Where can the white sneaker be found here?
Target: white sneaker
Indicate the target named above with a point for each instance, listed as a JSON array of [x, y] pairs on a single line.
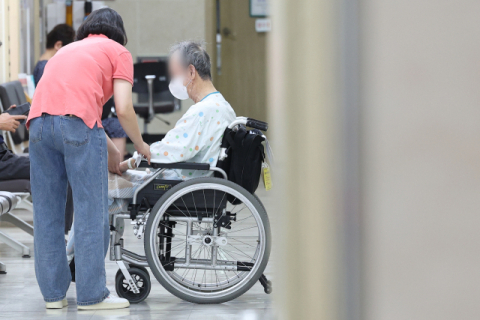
[[110, 302], [57, 304]]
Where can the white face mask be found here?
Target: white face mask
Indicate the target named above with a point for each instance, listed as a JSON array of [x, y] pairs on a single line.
[[177, 88]]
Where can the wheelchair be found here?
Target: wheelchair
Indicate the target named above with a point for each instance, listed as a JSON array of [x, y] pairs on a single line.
[[207, 240]]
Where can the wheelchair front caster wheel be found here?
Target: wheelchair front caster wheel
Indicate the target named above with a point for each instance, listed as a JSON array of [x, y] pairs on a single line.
[[142, 280], [268, 288]]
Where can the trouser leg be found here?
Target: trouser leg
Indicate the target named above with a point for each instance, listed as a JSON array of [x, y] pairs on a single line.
[[86, 163], [49, 185]]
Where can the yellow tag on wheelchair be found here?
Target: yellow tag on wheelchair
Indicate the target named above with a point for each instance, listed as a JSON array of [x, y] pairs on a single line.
[[267, 179]]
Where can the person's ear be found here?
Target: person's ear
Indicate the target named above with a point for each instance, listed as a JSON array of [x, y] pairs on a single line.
[[58, 45], [192, 71]]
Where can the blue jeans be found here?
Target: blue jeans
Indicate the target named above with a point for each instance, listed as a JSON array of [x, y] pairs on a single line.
[[63, 149]]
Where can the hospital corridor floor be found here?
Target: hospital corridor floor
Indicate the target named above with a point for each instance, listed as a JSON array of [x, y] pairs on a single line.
[[20, 296]]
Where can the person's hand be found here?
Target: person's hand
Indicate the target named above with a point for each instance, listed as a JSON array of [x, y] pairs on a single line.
[[114, 159], [144, 150], [9, 122]]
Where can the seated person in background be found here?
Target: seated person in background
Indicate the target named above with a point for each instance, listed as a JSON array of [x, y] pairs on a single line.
[[196, 137], [61, 35], [12, 166]]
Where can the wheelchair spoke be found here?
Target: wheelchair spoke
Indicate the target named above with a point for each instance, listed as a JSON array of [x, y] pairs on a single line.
[[220, 202], [245, 255], [206, 210], [181, 211], [181, 243], [193, 198], [239, 210], [189, 214], [242, 229], [243, 219], [230, 238], [241, 251]]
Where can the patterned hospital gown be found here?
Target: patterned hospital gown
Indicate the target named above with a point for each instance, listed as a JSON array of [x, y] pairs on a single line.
[[196, 137]]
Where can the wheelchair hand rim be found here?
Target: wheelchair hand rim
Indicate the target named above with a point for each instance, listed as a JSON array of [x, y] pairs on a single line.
[[259, 254]]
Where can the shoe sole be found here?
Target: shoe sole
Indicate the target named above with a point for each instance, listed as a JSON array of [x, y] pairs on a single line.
[[105, 306], [57, 304]]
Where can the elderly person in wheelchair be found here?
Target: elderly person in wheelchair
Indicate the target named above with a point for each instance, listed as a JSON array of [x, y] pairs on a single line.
[[186, 228], [196, 137]]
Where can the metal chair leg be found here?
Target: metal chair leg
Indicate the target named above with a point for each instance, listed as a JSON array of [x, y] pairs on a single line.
[[15, 245], [16, 221]]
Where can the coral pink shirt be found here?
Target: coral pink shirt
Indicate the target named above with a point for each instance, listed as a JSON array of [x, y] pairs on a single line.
[[78, 80]]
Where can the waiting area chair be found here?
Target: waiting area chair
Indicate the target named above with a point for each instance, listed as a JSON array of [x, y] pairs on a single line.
[[151, 84], [12, 93], [8, 202]]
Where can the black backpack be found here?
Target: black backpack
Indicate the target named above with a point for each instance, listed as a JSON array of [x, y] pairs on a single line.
[[245, 155]]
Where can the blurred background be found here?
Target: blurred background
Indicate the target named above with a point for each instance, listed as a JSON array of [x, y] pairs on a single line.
[[373, 108]]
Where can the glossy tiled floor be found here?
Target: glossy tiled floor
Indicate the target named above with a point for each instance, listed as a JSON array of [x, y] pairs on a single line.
[[20, 296]]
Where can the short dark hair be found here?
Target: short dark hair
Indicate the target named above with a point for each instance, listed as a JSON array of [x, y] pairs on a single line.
[[193, 53], [104, 21], [61, 32]]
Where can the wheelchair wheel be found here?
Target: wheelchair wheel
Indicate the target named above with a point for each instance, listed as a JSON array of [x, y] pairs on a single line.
[[203, 248], [142, 279]]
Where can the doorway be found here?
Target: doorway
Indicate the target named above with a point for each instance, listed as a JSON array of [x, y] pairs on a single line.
[[243, 54]]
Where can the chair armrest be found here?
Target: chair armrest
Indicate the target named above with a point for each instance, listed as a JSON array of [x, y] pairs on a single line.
[[176, 165]]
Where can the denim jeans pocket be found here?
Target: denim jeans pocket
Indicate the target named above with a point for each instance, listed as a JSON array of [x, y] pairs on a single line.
[[35, 130], [74, 131]]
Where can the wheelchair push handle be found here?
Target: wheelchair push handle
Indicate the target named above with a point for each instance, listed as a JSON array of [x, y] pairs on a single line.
[[249, 122], [257, 124]]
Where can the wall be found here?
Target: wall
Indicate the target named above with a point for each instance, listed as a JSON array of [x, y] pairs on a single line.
[[421, 152], [304, 110], [10, 37], [243, 73], [152, 26], [3, 39]]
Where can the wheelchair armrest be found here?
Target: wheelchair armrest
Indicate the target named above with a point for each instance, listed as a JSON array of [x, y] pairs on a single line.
[[176, 165]]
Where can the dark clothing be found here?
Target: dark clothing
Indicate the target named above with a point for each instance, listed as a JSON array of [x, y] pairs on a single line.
[[113, 128], [13, 166], [38, 71], [1, 139], [110, 122]]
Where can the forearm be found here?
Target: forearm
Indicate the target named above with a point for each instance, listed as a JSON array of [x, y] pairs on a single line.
[[128, 120], [111, 148]]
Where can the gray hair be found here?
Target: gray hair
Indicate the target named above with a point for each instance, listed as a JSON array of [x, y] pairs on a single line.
[[194, 53]]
